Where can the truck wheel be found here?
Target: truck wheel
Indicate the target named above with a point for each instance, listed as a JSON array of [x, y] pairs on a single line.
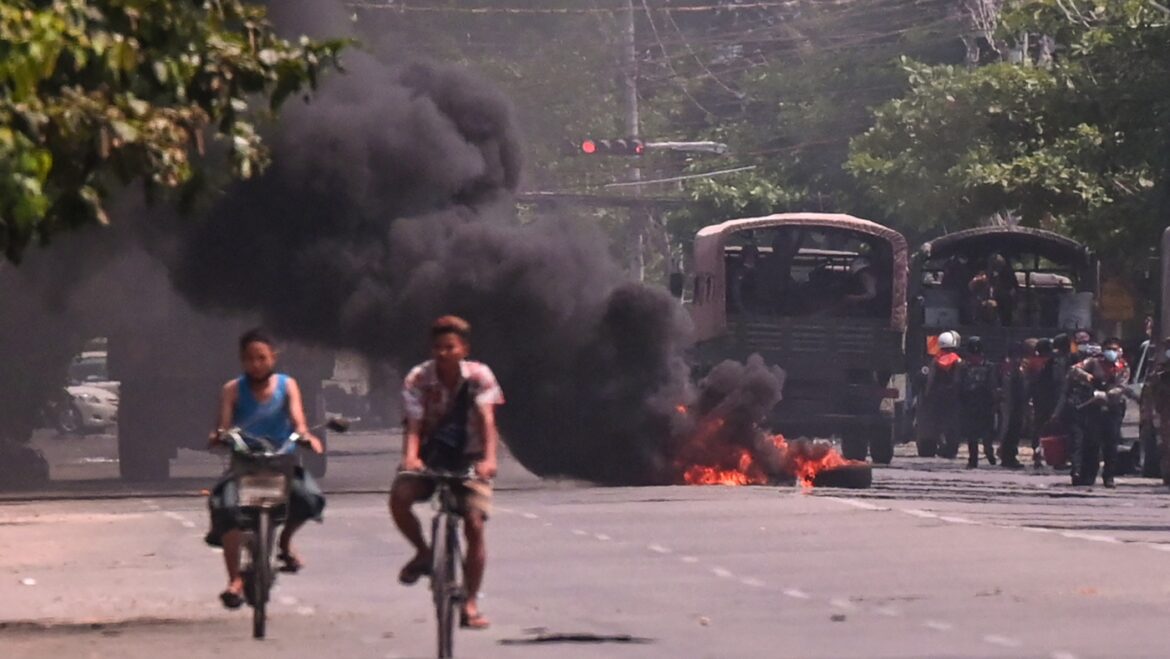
[[927, 448], [854, 445], [881, 445]]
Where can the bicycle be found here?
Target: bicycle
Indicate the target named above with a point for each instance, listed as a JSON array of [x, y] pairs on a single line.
[[263, 475], [447, 588]]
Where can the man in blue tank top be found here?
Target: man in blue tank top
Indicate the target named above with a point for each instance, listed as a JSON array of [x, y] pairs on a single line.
[[262, 403]]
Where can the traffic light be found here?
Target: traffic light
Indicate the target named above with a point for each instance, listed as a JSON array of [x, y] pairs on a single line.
[[627, 147]]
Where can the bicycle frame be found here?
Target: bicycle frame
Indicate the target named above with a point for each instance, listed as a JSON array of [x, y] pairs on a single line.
[[447, 558]]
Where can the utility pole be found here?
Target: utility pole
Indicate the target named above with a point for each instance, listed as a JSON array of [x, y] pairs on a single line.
[[629, 61]]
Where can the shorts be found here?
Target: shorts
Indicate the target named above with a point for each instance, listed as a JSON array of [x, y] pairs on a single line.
[[474, 495], [305, 502]]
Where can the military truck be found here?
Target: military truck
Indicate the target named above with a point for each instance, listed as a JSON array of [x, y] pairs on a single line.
[[824, 297], [1044, 284]]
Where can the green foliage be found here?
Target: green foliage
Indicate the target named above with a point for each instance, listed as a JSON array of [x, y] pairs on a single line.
[[1077, 143], [96, 94]]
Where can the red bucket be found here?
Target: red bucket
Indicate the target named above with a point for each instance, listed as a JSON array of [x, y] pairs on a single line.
[[1055, 449]]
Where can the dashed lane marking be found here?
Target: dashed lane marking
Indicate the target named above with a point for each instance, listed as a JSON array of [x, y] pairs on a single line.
[[857, 503], [1092, 537], [1002, 641], [1061, 654], [722, 572], [753, 582], [1158, 546], [938, 625], [839, 603], [954, 519], [602, 537], [659, 549], [580, 532], [796, 593], [887, 611], [924, 514], [688, 559], [530, 516]]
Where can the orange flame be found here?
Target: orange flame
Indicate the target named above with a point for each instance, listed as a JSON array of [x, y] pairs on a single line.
[[710, 460]]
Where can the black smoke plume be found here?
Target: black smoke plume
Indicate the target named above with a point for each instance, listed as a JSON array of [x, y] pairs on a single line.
[[390, 203]]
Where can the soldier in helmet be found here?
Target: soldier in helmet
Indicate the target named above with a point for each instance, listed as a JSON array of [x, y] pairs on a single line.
[[938, 419]]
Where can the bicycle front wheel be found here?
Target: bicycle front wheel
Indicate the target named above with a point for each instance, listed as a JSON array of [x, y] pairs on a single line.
[[442, 585], [261, 574]]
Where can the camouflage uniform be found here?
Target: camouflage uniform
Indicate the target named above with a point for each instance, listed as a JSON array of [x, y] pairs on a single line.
[[1155, 407]]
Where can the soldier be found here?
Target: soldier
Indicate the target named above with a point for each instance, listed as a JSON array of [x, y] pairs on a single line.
[[1155, 406], [937, 422], [978, 390], [1013, 404], [1096, 397]]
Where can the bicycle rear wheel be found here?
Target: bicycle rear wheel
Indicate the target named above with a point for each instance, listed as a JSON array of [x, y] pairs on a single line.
[[442, 585], [261, 574]]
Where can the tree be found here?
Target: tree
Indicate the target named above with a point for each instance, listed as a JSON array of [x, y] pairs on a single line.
[[1072, 140], [98, 94]]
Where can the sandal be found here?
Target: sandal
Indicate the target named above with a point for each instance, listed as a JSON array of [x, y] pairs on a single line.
[[414, 570], [231, 599], [477, 621], [291, 562]]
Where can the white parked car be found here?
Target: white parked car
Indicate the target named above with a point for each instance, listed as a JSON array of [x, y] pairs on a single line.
[[89, 403]]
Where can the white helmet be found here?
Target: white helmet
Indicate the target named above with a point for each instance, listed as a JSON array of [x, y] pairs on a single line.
[[948, 340]]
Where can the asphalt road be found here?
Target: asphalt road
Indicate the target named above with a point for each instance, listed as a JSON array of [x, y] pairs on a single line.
[[933, 561]]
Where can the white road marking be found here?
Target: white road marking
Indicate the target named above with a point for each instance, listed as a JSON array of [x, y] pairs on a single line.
[[841, 604], [173, 515], [306, 611], [1002, 641], [1090, 536], [288, 600], [953, 519], [659, 549], [753, 582], [1034, 529], [602, 537], [1061, 654], [688, 559], [888, 611], [938, 625], [722, 572], [188, 524], [1159, 546], [796, 593], [548, 523], [580, 532], [502, 509], [28, 581], [924, 514], [531, 516], [857, 503]]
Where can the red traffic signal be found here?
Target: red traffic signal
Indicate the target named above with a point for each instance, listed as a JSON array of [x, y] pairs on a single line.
[[626, 147]]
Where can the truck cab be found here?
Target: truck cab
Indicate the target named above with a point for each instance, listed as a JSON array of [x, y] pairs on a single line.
[[821, 295]]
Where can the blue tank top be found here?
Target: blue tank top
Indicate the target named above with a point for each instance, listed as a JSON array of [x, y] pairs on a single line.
[[270, 419]]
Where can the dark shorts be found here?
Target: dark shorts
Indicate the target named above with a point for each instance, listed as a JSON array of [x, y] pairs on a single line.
[[306, 501], [474, 495]]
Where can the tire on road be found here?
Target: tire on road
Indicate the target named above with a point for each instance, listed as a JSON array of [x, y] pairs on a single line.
[[881, 443], [852, 476], [854, 445]]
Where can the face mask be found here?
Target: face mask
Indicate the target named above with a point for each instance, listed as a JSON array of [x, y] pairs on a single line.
[[1110, 356]]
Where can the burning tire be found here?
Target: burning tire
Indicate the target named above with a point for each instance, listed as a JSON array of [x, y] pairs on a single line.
[[855, 476]]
